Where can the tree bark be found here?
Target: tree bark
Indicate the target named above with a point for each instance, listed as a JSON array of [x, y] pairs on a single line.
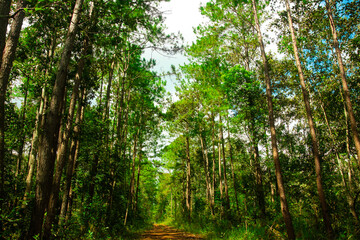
[[8, 55], [283, 202], [316, 152], [4, 13], [44, 176], [73, 153]]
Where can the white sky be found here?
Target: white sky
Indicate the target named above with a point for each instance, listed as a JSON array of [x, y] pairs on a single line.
[[181, 16]]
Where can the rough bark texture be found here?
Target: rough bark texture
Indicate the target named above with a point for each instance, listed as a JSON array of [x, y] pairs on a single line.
[[8, 55], [316, 152], [44, 176], [283, 202]]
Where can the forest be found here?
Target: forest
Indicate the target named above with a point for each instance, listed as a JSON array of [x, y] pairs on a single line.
[[259, 141]]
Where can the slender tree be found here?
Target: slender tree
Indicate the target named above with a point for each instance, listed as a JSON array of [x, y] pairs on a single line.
[[345, 87], [283, 201], [315, 147]]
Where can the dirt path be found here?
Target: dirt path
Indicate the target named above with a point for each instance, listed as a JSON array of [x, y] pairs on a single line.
[[166, 232]]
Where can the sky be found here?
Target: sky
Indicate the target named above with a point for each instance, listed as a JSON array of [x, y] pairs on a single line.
[[180, 16]]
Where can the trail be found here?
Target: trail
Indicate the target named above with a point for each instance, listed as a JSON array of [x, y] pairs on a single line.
[[166, 232]]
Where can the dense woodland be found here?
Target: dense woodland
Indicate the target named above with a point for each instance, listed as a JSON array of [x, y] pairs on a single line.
[[256, 142]]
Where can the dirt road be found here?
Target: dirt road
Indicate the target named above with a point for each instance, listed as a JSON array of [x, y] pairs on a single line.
[[166, 232]]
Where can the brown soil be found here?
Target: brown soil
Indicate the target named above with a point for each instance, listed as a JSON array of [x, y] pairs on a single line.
[[166, 232]]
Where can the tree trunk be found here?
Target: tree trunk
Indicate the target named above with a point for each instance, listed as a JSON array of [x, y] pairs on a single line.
[[336, 45], [221, 139], [207, 174], [322, 198], [73, 153], [257, 167], [34, 146], [283, 202], [188, 176], [220, 172], [347, 188], [213, 160], [4, 13], [39, 124], [49, 139], [8, 55], [108, 91], [63, 146], [132, 180], [233, 171], [138, 181]]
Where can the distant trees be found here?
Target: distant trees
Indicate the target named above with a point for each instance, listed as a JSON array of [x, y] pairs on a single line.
[[230, 79]]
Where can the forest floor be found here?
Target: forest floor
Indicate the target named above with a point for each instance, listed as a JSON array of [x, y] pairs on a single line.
[[166, 232]]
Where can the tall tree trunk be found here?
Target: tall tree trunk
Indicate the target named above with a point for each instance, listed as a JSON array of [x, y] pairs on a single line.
[[283, 202], [220, 166], [213, 159], [347, 189], [138, 182], [221, 138], [4, 13], [207, 174], [73, 153], [39, 124], [65, 133], [8, 55], [232, 170], [132, 179], [258, 179], [259, 190], [34, 146], [188, 175], [336, 45], [322, 198], [108, 91], [63, 146], [47, 151]]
